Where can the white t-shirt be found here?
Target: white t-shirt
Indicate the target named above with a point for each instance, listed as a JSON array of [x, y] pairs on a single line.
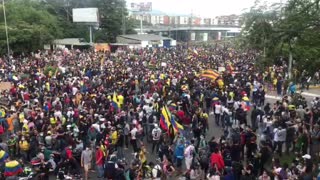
[[155, 172], [188, 152], [156, 134], [279, 135], [218, 109], [74, 90], [133, 133]]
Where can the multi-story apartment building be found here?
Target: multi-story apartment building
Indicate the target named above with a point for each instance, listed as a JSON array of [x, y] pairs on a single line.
[[163, 19]]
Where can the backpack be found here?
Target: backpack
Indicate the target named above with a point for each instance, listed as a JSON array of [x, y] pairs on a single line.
[[159, 172], [227, 158], [1, 129], [127, 174]]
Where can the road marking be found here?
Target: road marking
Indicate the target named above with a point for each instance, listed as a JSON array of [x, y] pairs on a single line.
[[273, 97], [310, 94], [304, 94]]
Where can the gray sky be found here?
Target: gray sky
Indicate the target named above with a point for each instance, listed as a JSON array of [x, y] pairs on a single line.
[[204, 8]]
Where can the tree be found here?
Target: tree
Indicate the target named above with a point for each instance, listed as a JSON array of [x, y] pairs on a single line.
[[113, 15], [289, 31], [29, 26], [113, 18]]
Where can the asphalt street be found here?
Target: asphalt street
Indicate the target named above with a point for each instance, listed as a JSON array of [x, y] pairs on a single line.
[[213, 130]]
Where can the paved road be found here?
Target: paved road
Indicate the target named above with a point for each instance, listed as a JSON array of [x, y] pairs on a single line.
[[214, 130]]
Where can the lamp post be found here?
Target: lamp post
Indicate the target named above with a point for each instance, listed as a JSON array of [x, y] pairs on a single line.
[[6, 27]]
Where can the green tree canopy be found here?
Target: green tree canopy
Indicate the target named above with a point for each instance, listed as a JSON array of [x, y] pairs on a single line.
[[29, 25], [283, 29]]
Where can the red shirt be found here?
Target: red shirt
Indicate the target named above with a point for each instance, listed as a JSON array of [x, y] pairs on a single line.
[[26, 96], [99, 157], [216, 159]]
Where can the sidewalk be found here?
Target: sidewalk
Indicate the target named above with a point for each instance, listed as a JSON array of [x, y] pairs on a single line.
[[311, 93], [315, 87]]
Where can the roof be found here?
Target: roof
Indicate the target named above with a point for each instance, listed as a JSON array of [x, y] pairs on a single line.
[[70, 41], [144, 37]]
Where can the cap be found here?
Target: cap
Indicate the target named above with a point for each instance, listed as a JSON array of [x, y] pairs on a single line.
[[306, 156]]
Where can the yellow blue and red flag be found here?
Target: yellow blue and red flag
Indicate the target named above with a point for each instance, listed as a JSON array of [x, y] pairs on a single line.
[[3, 156], [12, 168], [115, 103], [165, 119]]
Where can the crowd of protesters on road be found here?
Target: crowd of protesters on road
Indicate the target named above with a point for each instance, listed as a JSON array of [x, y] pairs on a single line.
[[102, 114]]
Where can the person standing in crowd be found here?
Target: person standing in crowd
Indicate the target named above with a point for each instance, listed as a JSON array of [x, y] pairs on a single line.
[[156, 135], [133, 138], [217, 161], [99, 162], [279, 138], [179, 155], [189, 153], [217, 113], [86, 158], [315, 141], [62, 102]]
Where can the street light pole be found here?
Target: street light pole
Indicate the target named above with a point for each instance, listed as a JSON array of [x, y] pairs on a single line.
[[6, 27]]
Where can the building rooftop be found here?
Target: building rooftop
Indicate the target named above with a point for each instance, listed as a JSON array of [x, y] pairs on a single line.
[[70, 41], [144, 37]]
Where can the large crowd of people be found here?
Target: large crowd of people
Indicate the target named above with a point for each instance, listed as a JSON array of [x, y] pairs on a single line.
[[151, 114]]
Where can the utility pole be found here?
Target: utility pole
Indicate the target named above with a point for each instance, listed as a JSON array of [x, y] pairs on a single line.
[[6, 27], [141, 23], [123, 17], [290, 62], [189, 33]]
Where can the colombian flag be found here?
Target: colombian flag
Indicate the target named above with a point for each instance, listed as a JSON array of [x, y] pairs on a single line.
[[210, 74], [3, 156], [12, 168], [173, 107], [176, 126], [245, 104], [165, 119], [115, 103]]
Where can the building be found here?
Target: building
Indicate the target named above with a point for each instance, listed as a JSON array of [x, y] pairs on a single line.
[[145, 40], [159, 18], [231, 20], [70, 43]]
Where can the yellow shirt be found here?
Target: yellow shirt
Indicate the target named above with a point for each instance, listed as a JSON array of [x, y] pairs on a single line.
[[142, 156], [275, 81], [114, 137], [53, 121], [3, 113], [121, 100], [162, 76], [48, 86], [24, 145], [205, 115], [25, 129], [21, 117]]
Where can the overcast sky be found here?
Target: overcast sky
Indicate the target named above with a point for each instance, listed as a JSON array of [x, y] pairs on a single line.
[[205, 8]]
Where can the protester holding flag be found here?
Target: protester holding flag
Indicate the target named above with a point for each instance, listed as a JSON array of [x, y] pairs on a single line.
[[12, 168]]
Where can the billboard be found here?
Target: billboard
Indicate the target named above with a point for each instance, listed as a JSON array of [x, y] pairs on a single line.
[[85, 15], [142, 7]]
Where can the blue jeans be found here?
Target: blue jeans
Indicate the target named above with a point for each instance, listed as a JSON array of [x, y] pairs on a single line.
[[100, 171]]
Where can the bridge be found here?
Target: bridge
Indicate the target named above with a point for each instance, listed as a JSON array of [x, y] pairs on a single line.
[[194, 32]]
